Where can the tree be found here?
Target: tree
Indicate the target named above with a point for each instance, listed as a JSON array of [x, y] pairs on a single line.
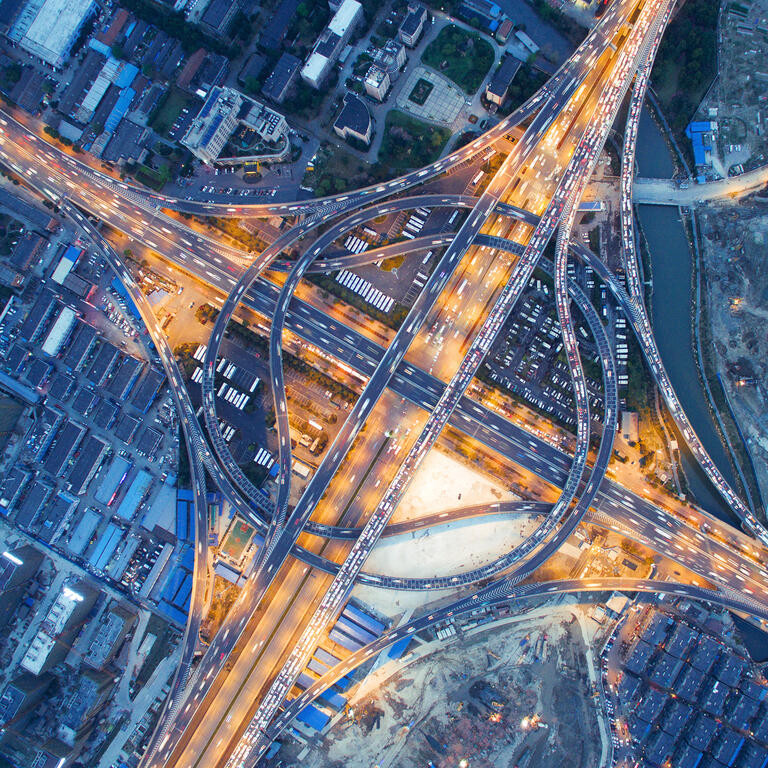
[[252, 85]]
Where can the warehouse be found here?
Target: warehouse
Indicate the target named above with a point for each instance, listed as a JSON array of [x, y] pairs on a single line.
[[59, 332], [35, 498], [56, 512], [122, 381], [48, 28], [80, 347], [105, 547], [144, 395], [69, 438], [113, 479], [104, 414], [38, 316], [102, 364], [138, 489], [88, 462]]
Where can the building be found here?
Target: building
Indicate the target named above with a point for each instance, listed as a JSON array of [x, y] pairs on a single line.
[[504, 30], [11, 487], [630, 426], [84, 702], [21, 696], [108, 637], [354, 120], [390, 58], [223, 111], [331, 42], [214, 124], [281, 79], [484, 14], [702, 134], [498, 87], [50, 645], [49, 28], [87, 464], [60, 332], [280, 20], [377, 83], [17, 567], [218, 15], [413, 25]]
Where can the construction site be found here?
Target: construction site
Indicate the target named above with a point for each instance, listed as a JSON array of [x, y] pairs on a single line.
[[515, 692]]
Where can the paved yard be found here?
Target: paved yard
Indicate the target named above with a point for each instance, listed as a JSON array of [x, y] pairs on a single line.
[[443, 104]]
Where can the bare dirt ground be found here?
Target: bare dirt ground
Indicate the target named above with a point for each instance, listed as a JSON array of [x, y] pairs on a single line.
[[734, 243], [474, 700]]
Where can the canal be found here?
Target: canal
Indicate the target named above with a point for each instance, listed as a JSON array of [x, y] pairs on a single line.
[[671, 316]]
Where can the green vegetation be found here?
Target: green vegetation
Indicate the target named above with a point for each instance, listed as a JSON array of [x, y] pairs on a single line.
[[393, 262], [10, 75], [206, 312], [686, 61], [308, 22], [174, 24], [184, 473], [169, 109], [525, 83], [153, 178], [305, 102], [336, 170], [10, 231], [410, 143], [566, 26], [462, 56], [421, 91]]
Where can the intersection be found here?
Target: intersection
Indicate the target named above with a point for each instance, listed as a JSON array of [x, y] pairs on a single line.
[[235, 703]]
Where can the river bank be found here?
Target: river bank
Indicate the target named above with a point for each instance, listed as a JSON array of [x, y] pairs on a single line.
[[673, 308]]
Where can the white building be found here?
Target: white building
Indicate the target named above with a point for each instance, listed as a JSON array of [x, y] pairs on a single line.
[[377, 83], [331, 42], [413, 24], [49, 645], [223, 111], [49, 28]]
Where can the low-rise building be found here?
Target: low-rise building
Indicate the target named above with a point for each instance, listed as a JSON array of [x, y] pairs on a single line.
[[391, 58], [17, 567], [48, 28], [498, 87], [50, 644], [354, 120], [377, 83], [223, 111], [331, 42], [413, 24], [282, 77]]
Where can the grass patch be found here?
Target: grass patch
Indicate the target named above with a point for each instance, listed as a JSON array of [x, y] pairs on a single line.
[[336, 170], [462, 56], [393, 319], [151, 178], [410, 143], [167, 112], [685, 63], [421, 91], [526, 82]]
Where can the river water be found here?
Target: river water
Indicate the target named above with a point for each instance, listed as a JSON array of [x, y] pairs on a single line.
[[671, 266]]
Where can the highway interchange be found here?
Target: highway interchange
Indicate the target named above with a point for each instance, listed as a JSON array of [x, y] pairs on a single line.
[[565, 126]]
